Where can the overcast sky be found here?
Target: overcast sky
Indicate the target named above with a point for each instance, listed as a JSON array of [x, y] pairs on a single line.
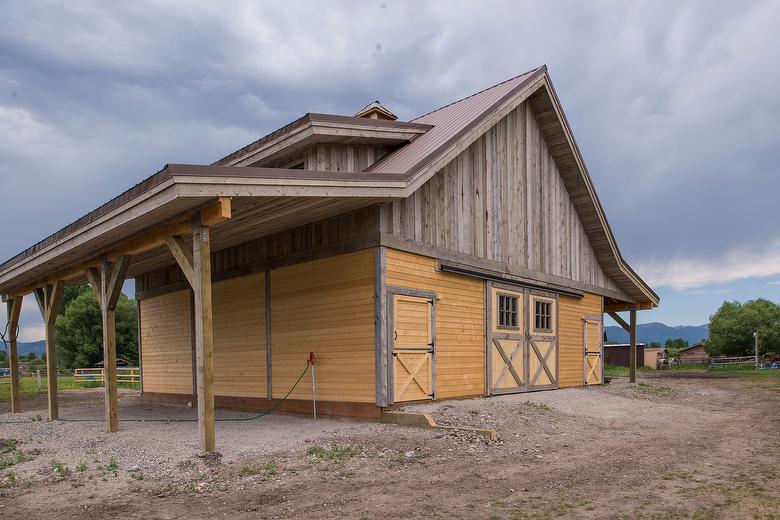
[[675, 106]]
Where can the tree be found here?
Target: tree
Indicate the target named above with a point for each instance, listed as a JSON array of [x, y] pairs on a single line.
[[70, 293], [3, 359], [80, 331], [733, 324], [677, 344], [32, 356], [654, 344]]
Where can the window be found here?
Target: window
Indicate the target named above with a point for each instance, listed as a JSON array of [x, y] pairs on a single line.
[[543, 315], [507, 311]]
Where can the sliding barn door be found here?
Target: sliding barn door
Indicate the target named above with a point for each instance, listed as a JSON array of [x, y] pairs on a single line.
[[521, 347], [413, 348], [542, 342], [506, 347]]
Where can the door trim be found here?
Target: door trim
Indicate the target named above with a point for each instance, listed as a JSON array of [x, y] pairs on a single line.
[[393, 290]]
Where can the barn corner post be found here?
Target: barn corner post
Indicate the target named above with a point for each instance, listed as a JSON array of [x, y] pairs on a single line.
[[106, 281], [48, 298], [632, 336], [204, 332], [14, 309]]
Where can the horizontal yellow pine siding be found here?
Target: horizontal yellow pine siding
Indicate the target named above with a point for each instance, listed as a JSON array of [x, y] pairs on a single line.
[[326, 307], [460, 321], [572, 311], [166, 343], [239, 336]]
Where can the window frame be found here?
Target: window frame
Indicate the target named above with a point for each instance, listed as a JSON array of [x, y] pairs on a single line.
[[502, 312], [548, 316]]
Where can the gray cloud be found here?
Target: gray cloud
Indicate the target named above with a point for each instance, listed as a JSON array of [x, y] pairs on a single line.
[[675, 106]]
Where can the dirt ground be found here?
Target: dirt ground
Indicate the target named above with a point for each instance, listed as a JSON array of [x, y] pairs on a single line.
[[674, 446]]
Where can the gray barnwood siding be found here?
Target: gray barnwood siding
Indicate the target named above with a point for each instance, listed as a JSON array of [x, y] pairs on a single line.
[[503, 199], [334, 157]]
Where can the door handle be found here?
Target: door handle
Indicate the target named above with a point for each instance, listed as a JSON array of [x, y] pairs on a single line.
[[395, 335]]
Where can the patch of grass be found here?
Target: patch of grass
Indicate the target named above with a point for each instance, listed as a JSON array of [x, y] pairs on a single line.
[[112, 466], [655, 390], [60, 469], [542, 407], [335, 454], [11, 455], [344, 475], [136, 474], [11, 478], [270, 469], [81, 467], [679, 475], [28, 385], [247, 470]]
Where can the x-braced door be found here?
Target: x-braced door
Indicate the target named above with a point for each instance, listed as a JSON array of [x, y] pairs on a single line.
[[413, 347], [522, 340], [542, 342], [593, 346], [506, 349]]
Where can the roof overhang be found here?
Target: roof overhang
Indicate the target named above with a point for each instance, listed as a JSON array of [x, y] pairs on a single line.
[[178, 191], [324, 128]]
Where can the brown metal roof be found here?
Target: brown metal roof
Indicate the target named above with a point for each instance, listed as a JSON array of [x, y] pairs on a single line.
[[450, 122]]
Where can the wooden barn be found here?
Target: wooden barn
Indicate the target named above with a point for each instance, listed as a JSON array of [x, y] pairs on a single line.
[[464, 253]]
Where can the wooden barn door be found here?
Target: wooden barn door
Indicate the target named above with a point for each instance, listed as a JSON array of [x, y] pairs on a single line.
[[521, 347], [593, 355], [506, 345], [413, 347], [542, 342]]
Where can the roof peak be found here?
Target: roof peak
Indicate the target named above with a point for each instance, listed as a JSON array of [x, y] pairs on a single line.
[[375, 110], [541, 67]]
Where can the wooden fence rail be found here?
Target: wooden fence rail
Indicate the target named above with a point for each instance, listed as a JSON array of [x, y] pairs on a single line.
[[96, 375], [742, 360]]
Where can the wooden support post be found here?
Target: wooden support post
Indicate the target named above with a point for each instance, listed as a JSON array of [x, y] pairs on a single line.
[[632, 353], [204, 333], [48, 298], [107, 284], [14, 309]]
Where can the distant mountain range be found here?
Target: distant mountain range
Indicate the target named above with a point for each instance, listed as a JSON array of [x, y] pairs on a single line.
[[649, 332], [24, 349]]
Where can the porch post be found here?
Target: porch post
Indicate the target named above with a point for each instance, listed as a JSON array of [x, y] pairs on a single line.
[[204, 333], [48, 298], [107, 283], [632, 352], [14, 309]]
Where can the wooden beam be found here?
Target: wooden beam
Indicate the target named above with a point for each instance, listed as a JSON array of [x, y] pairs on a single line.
[[620, 307], [14, 310], [183, 257], [48, 298], [620, 321], [211, 215], [204, 334], [632, 336], [109, 280]]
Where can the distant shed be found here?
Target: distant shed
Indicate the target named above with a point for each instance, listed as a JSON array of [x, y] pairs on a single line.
[[694, 355], [619, 354]]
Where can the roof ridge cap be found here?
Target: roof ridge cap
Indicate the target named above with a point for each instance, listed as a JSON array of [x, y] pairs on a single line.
[[481, 91]]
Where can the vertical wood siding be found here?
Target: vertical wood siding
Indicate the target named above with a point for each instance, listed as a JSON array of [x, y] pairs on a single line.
[[239, 336], [333, 157], [166, 337], [326, 307], [460, 321], [572, 311], [503, 199]]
